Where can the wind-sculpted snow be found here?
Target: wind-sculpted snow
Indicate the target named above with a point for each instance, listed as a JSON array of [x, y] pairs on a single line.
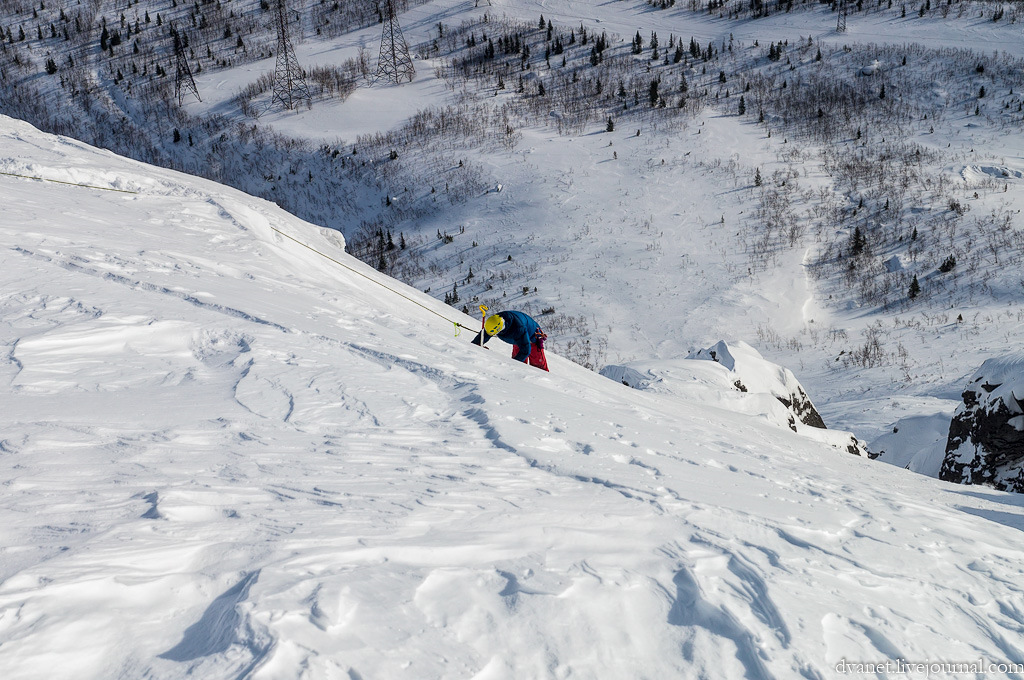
[[225, 456]]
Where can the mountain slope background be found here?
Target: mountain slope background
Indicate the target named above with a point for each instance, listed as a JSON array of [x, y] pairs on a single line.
[[226, 455], [796, 220]]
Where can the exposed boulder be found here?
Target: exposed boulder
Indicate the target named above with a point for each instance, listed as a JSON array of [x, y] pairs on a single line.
[[735, 377], [986, 436]]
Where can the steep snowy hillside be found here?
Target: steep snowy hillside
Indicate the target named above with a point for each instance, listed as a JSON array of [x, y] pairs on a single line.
[[225, 455], [728, 219], [650, 177]]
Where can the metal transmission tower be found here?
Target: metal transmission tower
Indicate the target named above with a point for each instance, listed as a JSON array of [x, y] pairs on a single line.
[[394, 64], [841, 23], [289, 82], [183, 80]]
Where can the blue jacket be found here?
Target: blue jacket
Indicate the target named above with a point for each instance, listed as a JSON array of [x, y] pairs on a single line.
[[520, 330]]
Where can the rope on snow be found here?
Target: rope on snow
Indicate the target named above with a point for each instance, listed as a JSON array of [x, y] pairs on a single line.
[[457, 325], [73, 184]]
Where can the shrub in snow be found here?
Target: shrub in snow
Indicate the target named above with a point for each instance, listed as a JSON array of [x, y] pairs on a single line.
[[986, 435]]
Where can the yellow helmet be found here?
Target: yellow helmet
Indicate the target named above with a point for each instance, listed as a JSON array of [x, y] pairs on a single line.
[[494, 324]]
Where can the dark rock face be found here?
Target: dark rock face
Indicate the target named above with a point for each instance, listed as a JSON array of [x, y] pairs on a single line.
[[801, 405], [986, 435]]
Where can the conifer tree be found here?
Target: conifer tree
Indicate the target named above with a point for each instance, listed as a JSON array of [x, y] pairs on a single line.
[[915, 288], [857, 242]]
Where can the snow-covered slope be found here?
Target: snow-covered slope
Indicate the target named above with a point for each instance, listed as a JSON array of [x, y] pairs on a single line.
[[724, 207], [225, 455]]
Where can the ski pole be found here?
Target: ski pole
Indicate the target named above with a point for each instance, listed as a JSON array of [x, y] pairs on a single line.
[[483, 323]]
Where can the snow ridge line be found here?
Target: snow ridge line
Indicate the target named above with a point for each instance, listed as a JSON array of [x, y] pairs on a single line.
[[14, 359], [153, 288], [750, 621], [690, 609], [221, 627]]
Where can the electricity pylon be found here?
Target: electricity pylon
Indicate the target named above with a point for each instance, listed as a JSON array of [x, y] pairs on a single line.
[[289, 82], [841, 22], [394, 64], [183, 80]]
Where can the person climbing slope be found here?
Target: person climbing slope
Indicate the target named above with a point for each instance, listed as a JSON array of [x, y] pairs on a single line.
[[520, 331]]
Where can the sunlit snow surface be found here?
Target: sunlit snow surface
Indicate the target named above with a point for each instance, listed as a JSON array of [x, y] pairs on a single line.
[[648, 240], [227, 456]]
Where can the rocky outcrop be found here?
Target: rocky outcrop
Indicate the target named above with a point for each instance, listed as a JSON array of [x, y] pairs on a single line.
[[734, 376], [986, 436], [754, 370]]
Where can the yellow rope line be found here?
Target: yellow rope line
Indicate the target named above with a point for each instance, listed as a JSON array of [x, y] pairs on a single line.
[[73, 184], [368, 278]]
